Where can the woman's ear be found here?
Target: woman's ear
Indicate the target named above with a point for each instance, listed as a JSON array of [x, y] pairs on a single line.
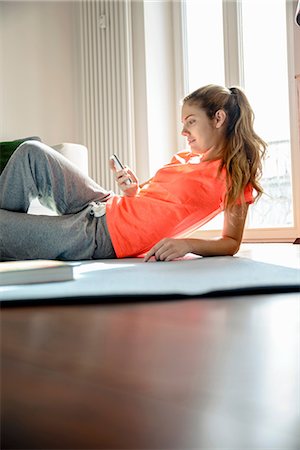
[[220, 118]]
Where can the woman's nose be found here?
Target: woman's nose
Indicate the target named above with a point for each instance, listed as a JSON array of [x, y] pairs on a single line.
[[184, 131]]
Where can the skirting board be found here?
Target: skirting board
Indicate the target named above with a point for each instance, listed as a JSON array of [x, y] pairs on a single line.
[[105, 281]]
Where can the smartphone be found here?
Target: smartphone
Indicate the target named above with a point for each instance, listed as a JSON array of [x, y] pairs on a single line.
[[119, 166]]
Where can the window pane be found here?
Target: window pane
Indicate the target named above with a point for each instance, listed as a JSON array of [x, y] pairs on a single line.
[[205, 51], [266, 85]]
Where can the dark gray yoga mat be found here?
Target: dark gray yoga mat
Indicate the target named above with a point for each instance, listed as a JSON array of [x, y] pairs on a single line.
[[113, 280]]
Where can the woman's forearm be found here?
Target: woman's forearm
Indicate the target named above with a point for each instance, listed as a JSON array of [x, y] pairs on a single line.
[[169, 248], [213, 247]]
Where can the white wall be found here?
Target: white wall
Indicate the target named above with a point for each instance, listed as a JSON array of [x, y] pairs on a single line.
[[39, 76], [161, 102], [140, 90], [154, 84]]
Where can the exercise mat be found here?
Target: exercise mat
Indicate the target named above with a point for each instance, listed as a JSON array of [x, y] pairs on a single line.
[[133, 280]]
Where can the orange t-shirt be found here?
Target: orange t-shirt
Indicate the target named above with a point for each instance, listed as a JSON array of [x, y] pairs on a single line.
[[182, 195]]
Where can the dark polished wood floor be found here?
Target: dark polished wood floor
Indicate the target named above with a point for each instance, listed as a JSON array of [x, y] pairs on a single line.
[[198, 374]]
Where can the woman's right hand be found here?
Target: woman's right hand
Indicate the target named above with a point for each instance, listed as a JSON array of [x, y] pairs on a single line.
[[121, 176]]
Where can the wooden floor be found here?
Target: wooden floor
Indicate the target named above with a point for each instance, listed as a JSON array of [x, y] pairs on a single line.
[[198, 374]]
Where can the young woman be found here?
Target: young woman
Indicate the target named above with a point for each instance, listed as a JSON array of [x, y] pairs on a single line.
[[219, 173]]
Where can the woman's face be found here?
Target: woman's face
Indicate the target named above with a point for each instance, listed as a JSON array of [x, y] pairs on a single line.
[[201, 132]]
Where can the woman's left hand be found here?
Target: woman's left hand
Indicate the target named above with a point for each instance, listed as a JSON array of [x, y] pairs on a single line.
[[168, 249]]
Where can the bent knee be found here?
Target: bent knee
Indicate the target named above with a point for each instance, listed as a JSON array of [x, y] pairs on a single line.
[[31, 149], [30, 145]]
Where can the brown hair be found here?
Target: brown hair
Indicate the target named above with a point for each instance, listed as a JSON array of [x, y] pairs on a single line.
[[244, 149]]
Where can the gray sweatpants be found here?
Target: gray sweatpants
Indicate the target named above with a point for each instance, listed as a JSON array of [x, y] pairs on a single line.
[[37, 171]]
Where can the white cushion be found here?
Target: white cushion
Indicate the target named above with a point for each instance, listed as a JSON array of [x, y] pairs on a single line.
[[76, 153]]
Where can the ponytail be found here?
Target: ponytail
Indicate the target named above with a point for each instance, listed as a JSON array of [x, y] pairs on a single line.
[[244, 149]]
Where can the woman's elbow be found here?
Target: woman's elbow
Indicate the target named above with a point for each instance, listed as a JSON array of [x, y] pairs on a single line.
[[235, 250], [233, 247]]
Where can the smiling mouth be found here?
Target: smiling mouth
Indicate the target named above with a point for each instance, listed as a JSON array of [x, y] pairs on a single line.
[[190, 141]]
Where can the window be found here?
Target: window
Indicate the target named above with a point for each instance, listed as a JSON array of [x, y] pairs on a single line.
[[266, 74], [241, 42]]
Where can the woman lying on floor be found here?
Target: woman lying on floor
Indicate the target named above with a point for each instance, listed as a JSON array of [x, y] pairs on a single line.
[[219, 173]]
